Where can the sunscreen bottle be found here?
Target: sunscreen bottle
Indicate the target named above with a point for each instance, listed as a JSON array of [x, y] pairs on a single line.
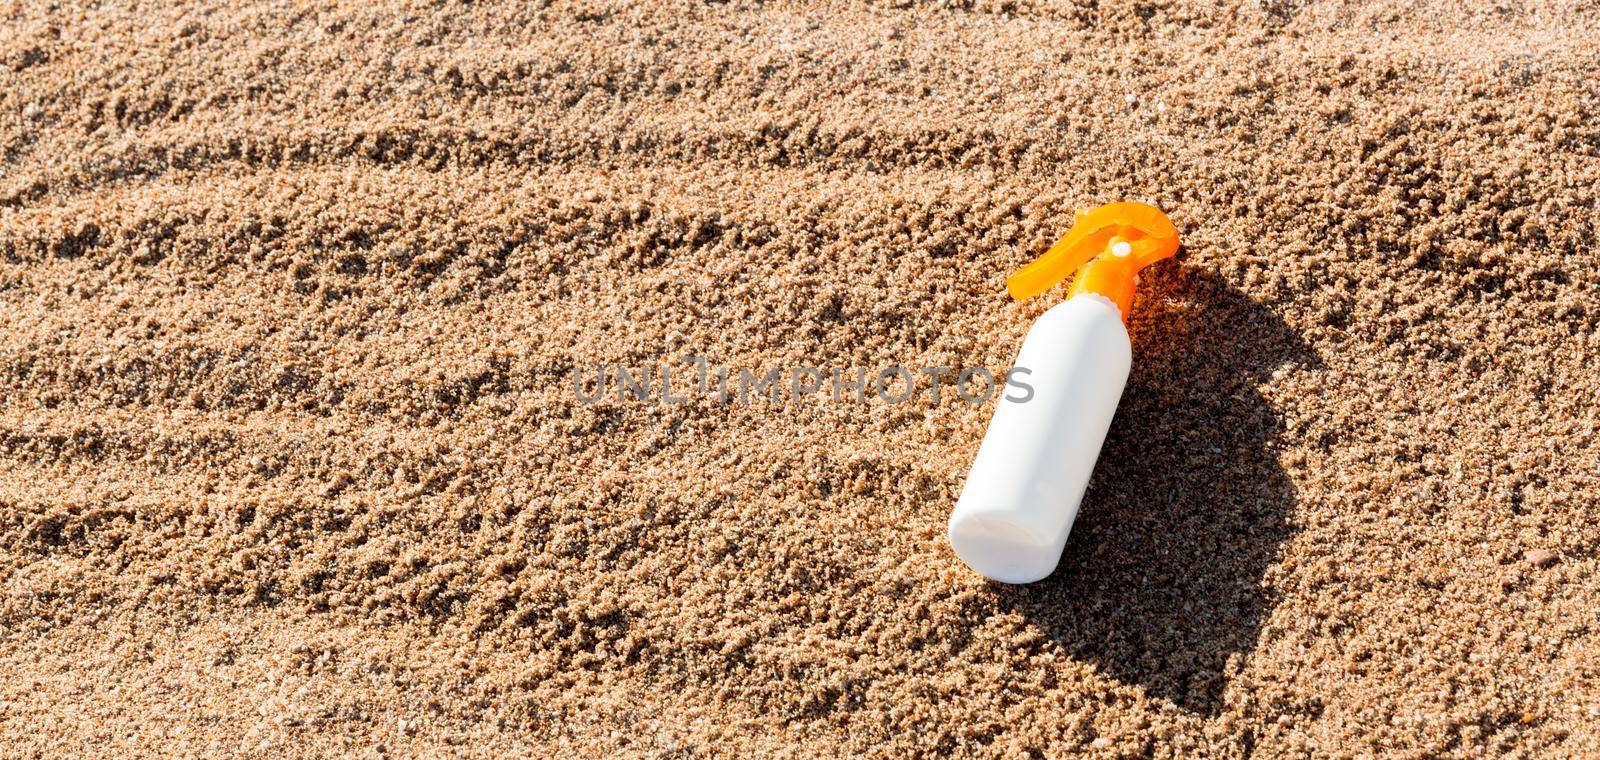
[[1022, 493]]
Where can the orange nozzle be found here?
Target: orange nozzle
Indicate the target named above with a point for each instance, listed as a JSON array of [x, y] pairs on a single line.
[[1107, 247]]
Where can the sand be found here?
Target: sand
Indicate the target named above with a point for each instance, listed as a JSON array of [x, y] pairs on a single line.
[[292, 297]]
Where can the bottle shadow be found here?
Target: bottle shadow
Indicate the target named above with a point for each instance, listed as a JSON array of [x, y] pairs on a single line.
[[1161, 583]]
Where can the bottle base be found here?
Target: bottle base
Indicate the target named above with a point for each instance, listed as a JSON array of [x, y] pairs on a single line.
[[1001, 550]]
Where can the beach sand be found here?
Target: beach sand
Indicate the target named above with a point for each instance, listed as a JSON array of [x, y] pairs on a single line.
[[292, 298]]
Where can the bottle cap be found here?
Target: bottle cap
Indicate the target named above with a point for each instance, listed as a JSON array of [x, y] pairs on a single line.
[[1106, 247]]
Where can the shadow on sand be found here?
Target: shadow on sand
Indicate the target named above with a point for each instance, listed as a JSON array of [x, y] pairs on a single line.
[[1161, 581]]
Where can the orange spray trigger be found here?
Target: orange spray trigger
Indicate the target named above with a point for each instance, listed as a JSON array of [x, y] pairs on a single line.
[[1106, 247]]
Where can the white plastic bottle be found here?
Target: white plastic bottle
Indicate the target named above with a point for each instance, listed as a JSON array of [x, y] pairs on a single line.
[[1022, 494]]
